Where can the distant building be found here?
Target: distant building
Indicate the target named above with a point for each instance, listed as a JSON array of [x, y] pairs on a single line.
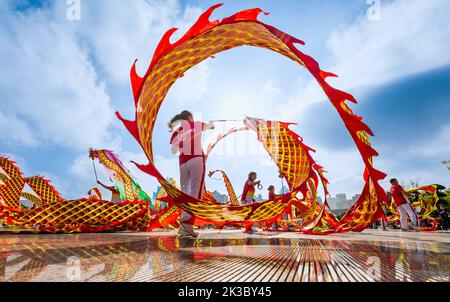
[[259, 198], [342, 205], [355, 198], [342, 202], [319, 199], [341, 197], [350, 203], [338, 212], [332, 202], [339, 202]]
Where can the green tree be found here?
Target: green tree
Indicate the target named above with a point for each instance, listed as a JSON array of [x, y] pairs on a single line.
[[410, 184], [414, 183], [447, 163], [447, 197], [444, 195]]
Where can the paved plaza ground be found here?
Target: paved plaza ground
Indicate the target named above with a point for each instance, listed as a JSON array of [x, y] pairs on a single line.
[[227, 255]]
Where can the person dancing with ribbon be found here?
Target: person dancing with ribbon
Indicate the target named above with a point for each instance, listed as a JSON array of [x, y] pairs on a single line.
[[186, 141], [248, 193], [115, 194]]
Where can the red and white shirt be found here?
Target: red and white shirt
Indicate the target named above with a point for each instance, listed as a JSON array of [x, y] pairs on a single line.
[[249, 190], [188, 137], [271, 195], [397, 195]]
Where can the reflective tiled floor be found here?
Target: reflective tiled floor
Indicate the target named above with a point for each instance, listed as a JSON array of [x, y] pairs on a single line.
[[226, 256]]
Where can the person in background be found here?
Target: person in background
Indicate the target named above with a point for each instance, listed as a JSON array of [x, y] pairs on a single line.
[[248, 193], [272, 194], [403, 206], [271, 197], [249, 188], [186, 141], [443, 217], [115, 195]]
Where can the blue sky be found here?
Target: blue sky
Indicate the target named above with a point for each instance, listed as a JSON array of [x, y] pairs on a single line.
[[65, 79]]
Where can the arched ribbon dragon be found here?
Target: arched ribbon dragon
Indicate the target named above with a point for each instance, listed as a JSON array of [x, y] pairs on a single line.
[[202, 41]]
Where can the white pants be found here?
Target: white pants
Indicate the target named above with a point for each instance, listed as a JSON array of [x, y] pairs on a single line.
[[248, 200], [383, 223], [404, 210], [192, 177]]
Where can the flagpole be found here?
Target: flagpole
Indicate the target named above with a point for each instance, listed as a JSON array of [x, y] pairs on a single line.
[[223, 121], [95, 170]]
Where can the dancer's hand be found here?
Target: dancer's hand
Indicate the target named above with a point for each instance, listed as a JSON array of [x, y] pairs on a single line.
[[259, 185], [210, 126]]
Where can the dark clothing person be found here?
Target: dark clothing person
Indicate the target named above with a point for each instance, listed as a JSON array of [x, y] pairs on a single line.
[[443, 219]]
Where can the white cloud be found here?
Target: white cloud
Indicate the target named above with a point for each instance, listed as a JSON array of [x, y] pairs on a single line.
[[54, 92], [190, 89], [82, 176], [82, 168], [15, 131], [308, 95], [427, 154], [119, 33], [344, 169], [244, 97], [411, 37], [271, 90], [51, 92], [432, 174]]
